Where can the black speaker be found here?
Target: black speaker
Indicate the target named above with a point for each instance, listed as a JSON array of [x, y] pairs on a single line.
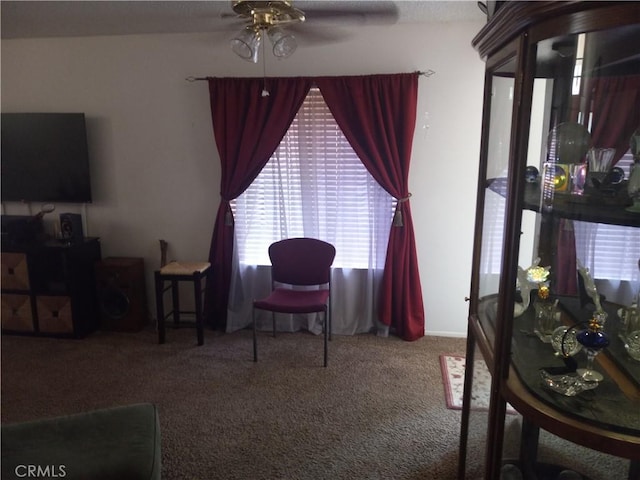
[[71, 227], [122, 294]]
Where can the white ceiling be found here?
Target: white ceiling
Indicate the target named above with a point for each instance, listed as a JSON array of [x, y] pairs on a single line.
[[24, 18]]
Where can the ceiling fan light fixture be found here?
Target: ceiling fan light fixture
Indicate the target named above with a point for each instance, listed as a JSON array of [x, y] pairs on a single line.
[[247, 44], [284, 44]]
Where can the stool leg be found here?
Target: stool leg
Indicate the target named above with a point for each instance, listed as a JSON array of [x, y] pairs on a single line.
[[175, 298], [160, 307], [197, 287]]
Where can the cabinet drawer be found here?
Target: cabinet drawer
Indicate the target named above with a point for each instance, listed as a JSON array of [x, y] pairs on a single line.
[[15, 275], [16, 312], [54, 314]]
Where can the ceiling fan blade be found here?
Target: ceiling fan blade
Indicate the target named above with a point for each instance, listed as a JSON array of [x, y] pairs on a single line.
[[327, 21], [352, 14], [309, 35]]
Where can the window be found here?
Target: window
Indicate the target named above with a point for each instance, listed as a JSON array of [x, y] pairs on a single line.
[[610, 251], [315, 185]]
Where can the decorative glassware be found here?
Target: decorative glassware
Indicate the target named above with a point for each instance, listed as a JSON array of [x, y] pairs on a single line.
[[578, 175], [524, 286], [630, 318], [564, 342], [568, 385], [633, 187], [632, 345], [534, 276], [547, 314], [593, 339], [547, 319], [590, 288], [600, 162]]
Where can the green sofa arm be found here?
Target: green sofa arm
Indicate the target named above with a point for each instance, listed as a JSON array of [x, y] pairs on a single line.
[[115, 443]]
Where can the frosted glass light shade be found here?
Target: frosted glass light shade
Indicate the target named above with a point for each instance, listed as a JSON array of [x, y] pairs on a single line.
[[247, 44], [284, 44]]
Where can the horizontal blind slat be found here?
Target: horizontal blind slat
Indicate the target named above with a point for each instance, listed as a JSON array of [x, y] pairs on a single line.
[[314, 185]]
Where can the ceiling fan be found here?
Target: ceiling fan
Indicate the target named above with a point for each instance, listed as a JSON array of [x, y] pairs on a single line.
[[265, 17], [276, 19]]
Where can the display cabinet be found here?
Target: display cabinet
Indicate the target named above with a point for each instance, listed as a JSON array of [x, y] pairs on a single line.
[[556, 263]]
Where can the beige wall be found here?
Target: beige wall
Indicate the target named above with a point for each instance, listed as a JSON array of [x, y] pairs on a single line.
[[155, 169]]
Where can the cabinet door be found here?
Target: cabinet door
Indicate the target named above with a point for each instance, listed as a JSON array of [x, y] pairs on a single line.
[[15, 274], [17, 315], [54, 314], [483, 413]]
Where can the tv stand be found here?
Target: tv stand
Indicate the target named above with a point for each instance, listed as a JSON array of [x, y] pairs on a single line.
[[49, 288]]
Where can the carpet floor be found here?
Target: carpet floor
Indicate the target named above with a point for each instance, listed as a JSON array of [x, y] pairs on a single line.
[[377, 412]]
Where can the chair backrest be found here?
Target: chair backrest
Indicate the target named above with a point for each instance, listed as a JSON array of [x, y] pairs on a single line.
[[301, 261]]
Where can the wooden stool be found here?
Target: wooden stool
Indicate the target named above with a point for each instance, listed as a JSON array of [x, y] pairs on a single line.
[[175, 272]]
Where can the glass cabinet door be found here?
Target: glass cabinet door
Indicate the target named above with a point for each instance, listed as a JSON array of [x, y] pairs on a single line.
[[481, 419]]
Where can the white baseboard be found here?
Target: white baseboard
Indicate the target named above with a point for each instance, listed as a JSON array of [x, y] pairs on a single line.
[[446, 334]]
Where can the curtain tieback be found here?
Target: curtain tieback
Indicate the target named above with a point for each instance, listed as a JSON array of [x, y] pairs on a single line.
[[397, 216], [228, 214]]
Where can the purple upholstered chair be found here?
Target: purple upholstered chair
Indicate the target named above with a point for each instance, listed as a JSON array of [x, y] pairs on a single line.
[[298, 262]]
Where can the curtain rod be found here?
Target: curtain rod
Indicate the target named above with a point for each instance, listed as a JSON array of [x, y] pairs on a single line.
[[426, 73]]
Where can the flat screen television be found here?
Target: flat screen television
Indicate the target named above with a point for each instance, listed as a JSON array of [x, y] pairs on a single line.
[[44, 158]]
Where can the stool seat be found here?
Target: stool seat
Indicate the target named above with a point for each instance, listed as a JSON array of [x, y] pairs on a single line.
[[175, 272], [184, 268]]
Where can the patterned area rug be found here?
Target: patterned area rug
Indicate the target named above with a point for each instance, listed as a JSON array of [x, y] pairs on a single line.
[[453, 379]]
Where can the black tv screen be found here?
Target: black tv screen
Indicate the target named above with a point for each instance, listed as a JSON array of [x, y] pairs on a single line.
[[44, 158]]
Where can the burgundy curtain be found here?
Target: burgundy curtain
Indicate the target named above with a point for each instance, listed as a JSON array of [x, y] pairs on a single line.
[[377, 114], [615, 104], [248, 127], [615, 111], [566, 268]]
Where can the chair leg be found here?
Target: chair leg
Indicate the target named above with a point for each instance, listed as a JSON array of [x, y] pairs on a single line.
[[255, 340], [273, 320], [326, 336], [329, 321]]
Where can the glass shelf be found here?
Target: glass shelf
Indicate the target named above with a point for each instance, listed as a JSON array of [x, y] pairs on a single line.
[[574, 207]]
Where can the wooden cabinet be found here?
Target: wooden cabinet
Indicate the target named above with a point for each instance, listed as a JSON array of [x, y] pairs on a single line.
[[49, 289], [562, 83]]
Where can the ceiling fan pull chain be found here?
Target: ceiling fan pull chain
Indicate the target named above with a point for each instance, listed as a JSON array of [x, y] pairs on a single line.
[[265, 92]]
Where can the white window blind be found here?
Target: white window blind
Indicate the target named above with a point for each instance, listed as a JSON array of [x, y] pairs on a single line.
[[492, 233], [610, 251], [316, 186]]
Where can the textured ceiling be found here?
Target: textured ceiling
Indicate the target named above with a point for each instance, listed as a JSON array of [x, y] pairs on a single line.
[[24, 19]]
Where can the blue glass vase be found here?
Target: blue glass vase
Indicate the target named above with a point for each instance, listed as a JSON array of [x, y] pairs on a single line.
[[593, 340]]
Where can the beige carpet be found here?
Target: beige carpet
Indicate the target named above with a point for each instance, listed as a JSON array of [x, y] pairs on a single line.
[[377, 412]]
